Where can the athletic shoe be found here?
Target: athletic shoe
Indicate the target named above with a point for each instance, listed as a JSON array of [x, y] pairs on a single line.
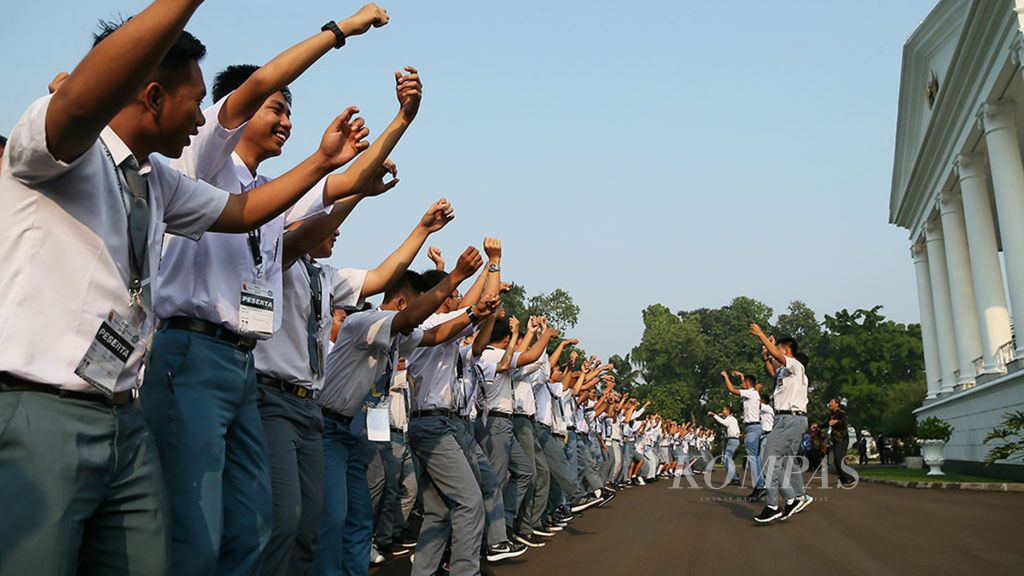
[[549, 527], [504, 551], [802, 503], [529, 540], [757, 494], [610, 488], [768, 514], [375, 556], [607, 498], [790, 509], [393, 550], [407, 542], [640, 481], [543, 532], [583, 502]]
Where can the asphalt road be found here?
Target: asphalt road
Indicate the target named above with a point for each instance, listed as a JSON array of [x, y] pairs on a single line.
[[872, 529]]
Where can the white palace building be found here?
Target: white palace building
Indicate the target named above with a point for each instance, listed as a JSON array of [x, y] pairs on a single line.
[[958, 187]]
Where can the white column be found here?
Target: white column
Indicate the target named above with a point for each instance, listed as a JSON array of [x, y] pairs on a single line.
[[990, 298], [933, 372], [942, 306], [961, 286], [1008, 182]]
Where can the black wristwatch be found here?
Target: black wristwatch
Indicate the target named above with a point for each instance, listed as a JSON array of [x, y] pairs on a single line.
[[339, 36], [472, 317]]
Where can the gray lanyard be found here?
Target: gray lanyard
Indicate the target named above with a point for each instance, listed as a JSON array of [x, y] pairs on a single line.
[[138, 222]]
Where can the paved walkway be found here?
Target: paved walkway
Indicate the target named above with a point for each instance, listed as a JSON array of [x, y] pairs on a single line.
[[872, 529]]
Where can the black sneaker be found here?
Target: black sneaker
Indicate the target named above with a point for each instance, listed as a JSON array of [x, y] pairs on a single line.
[[549, 527], [790, 509], [543, 532], [757, 494], [609, 487], [393, 550], [529, 540], [504, 551], [768, 514], [563, 518], [583, 502], [606, 499]]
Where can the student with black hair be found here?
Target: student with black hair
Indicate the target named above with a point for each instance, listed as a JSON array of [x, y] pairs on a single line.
[[750, 395], [3, 148], [782, 474], [358, 373]]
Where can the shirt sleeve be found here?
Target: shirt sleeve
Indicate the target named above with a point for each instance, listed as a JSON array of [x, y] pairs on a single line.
[[346, 286], [310, 204], [408, 343], [211, 148], [28, 157], [190, 206], [719, 419], [794, 367], [369, 330]]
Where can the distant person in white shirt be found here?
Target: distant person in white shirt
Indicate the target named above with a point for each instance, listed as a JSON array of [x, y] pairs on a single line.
[[732, 441], [750, 395], [3, 148]]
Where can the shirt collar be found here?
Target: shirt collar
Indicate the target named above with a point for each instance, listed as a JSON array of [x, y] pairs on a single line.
[[245, 177], [120, 151]]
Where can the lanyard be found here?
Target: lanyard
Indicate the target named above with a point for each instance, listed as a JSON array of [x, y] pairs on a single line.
[[136, 255]]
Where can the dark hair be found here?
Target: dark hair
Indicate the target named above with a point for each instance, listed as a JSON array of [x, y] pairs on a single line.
[[231, 78], [834, 399], [434, 277], [409, 283], [749, 379], [501, 330], [3, 142], [185, 50]]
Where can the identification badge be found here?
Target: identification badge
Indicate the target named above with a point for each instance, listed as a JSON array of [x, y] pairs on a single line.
[[256, 314], [378, 422], [108, 354]]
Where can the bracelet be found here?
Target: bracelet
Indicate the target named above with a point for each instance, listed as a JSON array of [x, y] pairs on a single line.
[[472, 317], [339, 36]]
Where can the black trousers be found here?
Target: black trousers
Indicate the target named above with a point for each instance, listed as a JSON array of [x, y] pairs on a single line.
[[838, 455]]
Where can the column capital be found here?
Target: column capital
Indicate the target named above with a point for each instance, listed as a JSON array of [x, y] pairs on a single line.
[[950, 202], [918, 251], [970, 166], [998, 116], [933, 230]]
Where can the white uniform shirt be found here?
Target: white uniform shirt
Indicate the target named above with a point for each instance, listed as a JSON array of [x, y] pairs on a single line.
[[767, 418], [522, 386], [495, 388], [285, 356], [542, 394], [751, 405], [732, 428], [64, 241], [204, 279], [791, 388], [433, 370], [360, 357], [400, 401]]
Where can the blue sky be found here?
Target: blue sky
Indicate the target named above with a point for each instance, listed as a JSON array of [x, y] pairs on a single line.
[[680, 153]]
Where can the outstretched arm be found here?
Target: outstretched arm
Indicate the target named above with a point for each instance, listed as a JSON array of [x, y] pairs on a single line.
[[285, 68], [768, 343], [419, 309], [728, 384], [506, 358], [110, 75], [484, 309], [392, 268]]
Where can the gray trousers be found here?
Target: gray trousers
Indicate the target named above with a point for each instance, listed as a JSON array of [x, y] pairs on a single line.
[[527, 438], [453, 505], [587, 476], [81, 489], [615, 456], [494, 501], [554, 453], [520, 477], [400, 487], [294, 430], [780, 449], [512, 468]]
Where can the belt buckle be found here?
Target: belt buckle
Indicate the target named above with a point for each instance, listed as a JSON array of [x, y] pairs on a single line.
[[302, 392]]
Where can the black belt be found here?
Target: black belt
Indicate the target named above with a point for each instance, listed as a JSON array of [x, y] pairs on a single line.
[[287, 387], [244, 343], [791, 412], [397, 430], [336, 416], [559, 436], [11, 383], [529, 417], [573, 428], [497, 414], [749, 423], [434, 412]]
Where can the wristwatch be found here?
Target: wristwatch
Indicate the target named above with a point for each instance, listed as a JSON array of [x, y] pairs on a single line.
[[339, 36], [494, 268], [472, 317]]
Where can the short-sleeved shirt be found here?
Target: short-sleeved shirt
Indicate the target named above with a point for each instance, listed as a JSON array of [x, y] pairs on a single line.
[[751, 405], [285, 356], [767, 418], [791, 387], [360, 356], [732, 427], [433, 370], [64, 240], [204, 279], [495, 387], [400, 400], [522, 381]]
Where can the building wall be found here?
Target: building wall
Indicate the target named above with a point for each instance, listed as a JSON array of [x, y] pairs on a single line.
[[973, 413]]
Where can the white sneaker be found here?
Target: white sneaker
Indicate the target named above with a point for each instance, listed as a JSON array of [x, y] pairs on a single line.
[[803, 503], [640, 481], [375, 556]]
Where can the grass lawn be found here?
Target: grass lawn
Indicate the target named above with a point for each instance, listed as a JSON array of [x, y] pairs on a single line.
[[906, 474]]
